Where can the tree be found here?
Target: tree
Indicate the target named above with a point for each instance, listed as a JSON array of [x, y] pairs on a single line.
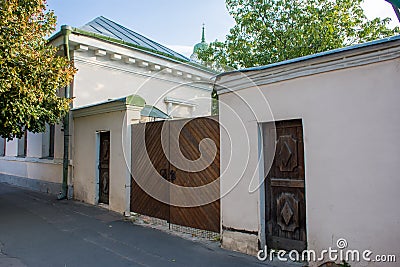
[[31, 73], [269, 31]]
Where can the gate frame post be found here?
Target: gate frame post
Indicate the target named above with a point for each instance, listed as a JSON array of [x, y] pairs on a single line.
[[132, 116], [128, 159], [261, 172], [97, 171]]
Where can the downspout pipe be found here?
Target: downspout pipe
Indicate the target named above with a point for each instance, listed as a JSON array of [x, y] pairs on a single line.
[[66, 31]]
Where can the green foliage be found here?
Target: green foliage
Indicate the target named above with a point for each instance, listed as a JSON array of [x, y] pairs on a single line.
[[214, 103], [344, 264], [269, 31], [30, 70]]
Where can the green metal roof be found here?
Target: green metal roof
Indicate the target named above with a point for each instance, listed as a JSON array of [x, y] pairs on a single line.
[[109, 28], [167, 54], [134, 100], [151, 111], [131, 100], [396, 3]]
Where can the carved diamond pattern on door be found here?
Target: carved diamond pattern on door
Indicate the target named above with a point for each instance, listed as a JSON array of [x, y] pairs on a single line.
[[288, 212], [287, 147]]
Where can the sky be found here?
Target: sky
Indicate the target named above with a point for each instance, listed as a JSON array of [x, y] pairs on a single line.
[[174, 23]]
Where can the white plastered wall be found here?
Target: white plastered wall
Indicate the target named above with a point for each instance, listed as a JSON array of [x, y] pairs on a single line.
[[100, 79], [352, 154], [85, 150], [33, 171]]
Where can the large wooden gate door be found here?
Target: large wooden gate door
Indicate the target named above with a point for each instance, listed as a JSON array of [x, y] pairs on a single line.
[[141, 202], [285, 189], [206, 217]]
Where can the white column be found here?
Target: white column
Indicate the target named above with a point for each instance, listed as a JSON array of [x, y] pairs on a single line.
[[34, 143], [12, 148]]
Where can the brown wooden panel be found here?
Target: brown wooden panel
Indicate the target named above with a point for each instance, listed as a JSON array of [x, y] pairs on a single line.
[[205, 217], [104, 167], [146, 140], [287, 183], [148, 136], [285, 189]]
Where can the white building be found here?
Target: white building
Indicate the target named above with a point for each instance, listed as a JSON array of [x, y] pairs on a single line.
[[113, 62], [331, 164]]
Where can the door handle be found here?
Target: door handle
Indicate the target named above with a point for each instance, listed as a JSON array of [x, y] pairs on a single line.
[[172, 175], [164, 174]]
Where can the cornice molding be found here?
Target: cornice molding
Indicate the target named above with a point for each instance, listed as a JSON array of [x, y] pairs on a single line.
[[132, 70], [337, 61], [98, 109], [178, 101], [109, 49]]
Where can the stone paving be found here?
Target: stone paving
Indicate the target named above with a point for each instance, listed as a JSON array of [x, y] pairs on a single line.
[[38, 230]]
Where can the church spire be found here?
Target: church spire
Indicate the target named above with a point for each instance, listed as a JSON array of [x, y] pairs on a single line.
[[203, 35], [201, 45]]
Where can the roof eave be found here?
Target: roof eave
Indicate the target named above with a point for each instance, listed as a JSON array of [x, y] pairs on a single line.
[[310, 57], [130, 46]]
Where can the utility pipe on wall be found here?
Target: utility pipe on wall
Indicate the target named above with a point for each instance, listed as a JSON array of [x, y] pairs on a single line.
[[66, 31]]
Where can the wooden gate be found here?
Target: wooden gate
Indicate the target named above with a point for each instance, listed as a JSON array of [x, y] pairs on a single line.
[[190, 133], [285, 189]]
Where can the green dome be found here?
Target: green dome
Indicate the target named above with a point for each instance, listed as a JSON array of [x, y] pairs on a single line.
[[203, 44], [197, 47]]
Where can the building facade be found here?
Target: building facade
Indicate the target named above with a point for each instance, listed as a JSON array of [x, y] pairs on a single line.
[[113, 63], [310, 152]]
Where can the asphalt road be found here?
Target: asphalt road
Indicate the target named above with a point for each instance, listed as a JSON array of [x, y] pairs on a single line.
[[38, 230]]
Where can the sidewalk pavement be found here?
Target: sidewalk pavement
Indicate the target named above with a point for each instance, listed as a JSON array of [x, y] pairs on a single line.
[[38, 230]]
